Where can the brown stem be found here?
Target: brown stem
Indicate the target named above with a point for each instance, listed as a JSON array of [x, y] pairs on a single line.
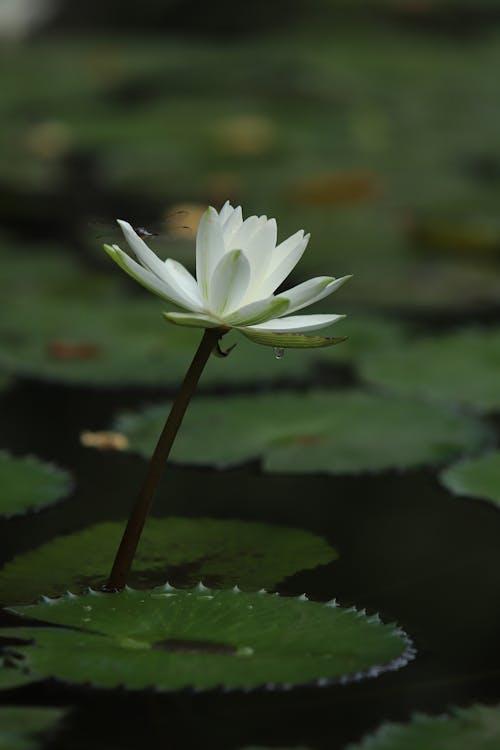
[[128, 545]]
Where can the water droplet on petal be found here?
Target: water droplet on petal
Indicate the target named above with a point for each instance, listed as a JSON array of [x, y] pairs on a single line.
[[279, 352]]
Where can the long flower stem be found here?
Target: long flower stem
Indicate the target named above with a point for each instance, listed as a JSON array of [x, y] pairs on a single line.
[[132, 534]]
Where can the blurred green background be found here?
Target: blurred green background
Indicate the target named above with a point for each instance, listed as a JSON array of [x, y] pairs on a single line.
[[372, 125]]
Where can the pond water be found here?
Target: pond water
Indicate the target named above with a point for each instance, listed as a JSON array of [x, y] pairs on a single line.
[[408, 550], [372, 126]]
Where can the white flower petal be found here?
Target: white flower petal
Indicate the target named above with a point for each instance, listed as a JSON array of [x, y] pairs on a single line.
[[143, 253], [259, 251], [209, 248], [229, 282], [258, 312], [225, 212], [278, 274], [238, 269], [146, 278], [298, 323], [312, 291], [192, 321], [286, 247], [231, 225], [182, 280], [242, 236]]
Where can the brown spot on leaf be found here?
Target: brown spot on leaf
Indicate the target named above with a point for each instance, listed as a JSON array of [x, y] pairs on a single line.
[[331, 188], [64, 349], [306, 439]]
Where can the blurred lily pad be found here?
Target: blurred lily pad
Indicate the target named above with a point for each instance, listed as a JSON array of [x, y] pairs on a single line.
[[30, 484], [475, 477], [477, 727], [458, 236], [44, 275], [27, 728], [365, 334], [342, 432], [351, 87], [97, 336], [202, 638], [463, 366], [11, 678], [181, 550], [123, 342]]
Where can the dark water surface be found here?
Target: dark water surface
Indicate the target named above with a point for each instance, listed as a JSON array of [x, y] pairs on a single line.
[[408, 550]]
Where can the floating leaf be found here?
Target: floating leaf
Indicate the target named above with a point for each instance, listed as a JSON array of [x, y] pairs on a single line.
[[173, 638], [121, 341], [29, 484], [23, 728], [79, 328], [181, 550], [462, 367], [475, 477], [365, 335], [347, 431], [477, 727], [11, 678]]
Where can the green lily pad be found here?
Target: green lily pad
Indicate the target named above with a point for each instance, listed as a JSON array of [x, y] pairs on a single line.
[[181, 550], [11, 678], [112, 339], [346, 431], [30, 484], [176, 638], [42, 274], [364, 335], [23, 728], [477, 727], [463, 366], [125, 341], [475, 477], [81, 328]]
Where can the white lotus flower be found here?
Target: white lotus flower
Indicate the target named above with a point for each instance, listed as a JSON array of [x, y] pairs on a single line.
[[238, 269]]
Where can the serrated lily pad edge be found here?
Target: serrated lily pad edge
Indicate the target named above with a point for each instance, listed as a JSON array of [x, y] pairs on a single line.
[[400, 661], [66, 477]]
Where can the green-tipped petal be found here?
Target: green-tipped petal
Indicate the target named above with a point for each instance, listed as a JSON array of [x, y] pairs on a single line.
[[144, 277], [298, 323], [258, 312], [312, 291], [192, 321], [289, 340]]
